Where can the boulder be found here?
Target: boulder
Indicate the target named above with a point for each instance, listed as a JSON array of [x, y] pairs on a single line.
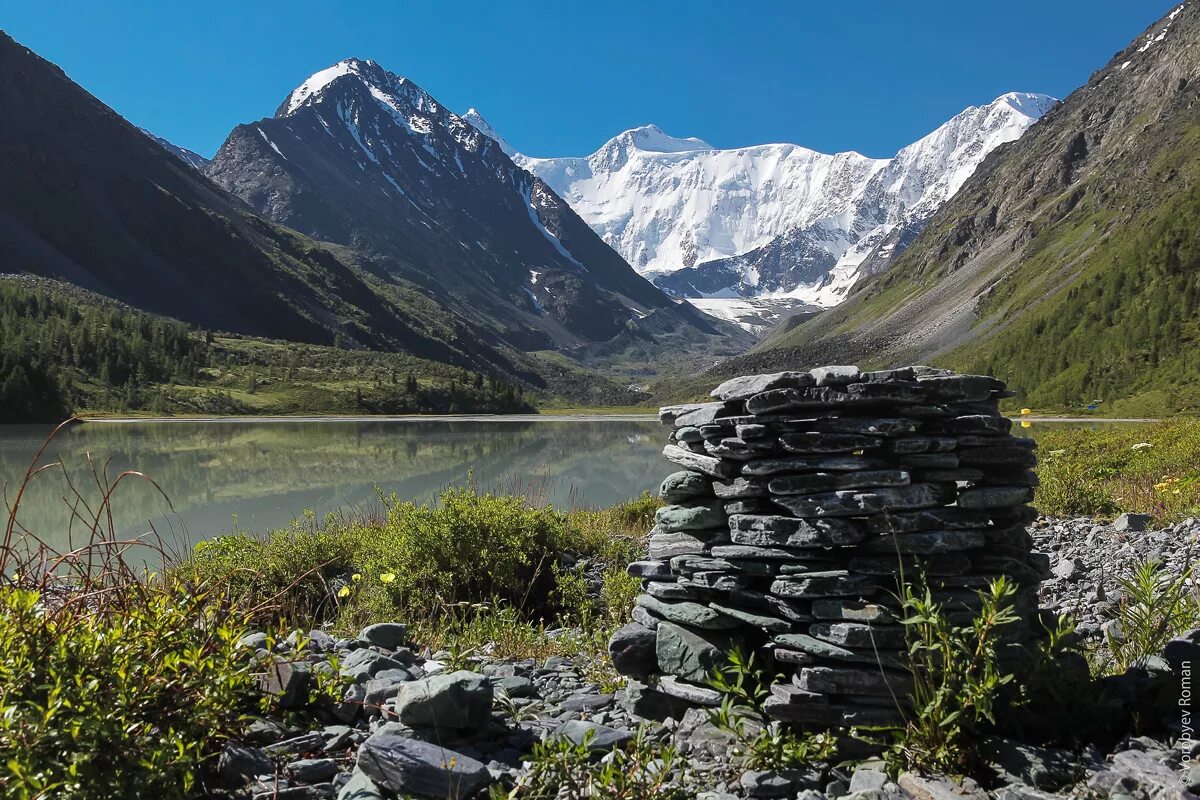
[[632, 649], [409, 766], [388, 635], [455, 700]]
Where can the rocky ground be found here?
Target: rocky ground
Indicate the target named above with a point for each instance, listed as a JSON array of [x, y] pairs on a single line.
[[411, 725]]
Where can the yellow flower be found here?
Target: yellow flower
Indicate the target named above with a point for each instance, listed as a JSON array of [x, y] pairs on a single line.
[[387, 577], [344, 591], [1025, 411], [356, 577], [1026, 423]]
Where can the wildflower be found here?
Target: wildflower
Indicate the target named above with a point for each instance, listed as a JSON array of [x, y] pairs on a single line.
[[1026, 423], [1025, 411], [387, 577], [356, 577], [344, 591]]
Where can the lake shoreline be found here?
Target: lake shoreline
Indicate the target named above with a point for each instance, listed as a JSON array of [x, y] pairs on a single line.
[[582, 417]]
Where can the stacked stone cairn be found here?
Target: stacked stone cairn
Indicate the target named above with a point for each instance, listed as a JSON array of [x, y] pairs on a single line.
[[805, 502]]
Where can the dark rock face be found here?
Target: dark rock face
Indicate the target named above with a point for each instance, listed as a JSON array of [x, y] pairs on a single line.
[[425, 770], [367, 159]]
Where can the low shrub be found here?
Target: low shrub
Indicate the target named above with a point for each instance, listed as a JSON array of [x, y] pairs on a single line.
[[471, 565], [117, 701]]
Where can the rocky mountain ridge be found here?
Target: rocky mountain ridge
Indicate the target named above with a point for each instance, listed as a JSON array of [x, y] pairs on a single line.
[[772, 220], [1067, 263]]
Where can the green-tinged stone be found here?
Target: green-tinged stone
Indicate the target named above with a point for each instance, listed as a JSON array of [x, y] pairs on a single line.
[[691, 614], [687, 653], [940, 565], [690, 517], [833, 652], [760, 621], [684, 485]]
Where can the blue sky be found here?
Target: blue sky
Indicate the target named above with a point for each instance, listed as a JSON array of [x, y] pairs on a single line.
[[560, 78]]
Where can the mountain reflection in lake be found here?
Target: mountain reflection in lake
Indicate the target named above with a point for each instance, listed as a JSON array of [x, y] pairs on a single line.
[[257, 476]]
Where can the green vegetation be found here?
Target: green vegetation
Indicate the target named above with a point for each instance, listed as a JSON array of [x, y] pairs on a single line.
[[119, 701], [563, 770], [1155, 606], [472, 569], [63, 352], [958, 680], [763, 743], [1126, 331], [1149, 469]]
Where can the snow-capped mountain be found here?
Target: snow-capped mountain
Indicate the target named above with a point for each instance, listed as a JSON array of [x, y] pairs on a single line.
[[775, 220], [366, 159]]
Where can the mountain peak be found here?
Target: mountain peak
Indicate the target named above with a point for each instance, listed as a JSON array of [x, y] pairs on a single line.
[[1031, 104], [480, 124], [652, 139], [368, 72]]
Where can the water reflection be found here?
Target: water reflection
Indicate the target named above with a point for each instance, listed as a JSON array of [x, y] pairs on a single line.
[[257, 476]]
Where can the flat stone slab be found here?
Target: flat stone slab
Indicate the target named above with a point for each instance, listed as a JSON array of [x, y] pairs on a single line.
[[664, 546], [693, 615], [874, 426], [849, 503], [995, 497], [649, 570], [860, 635], [851, 610], [922, 444], [740, 449], [817, 442], [832, 652], [840, 680], [751, 553], [795, 611], [689, 692], [997, 456], [671, 591], [982, 424], [802, 464], [947, 564], [816, 482], [749, 385], [924, 543], [740, 487], [802, 713], [700, 414], [761, 621], [823, 584], [778, 530], [709, 465], [954, 519]]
